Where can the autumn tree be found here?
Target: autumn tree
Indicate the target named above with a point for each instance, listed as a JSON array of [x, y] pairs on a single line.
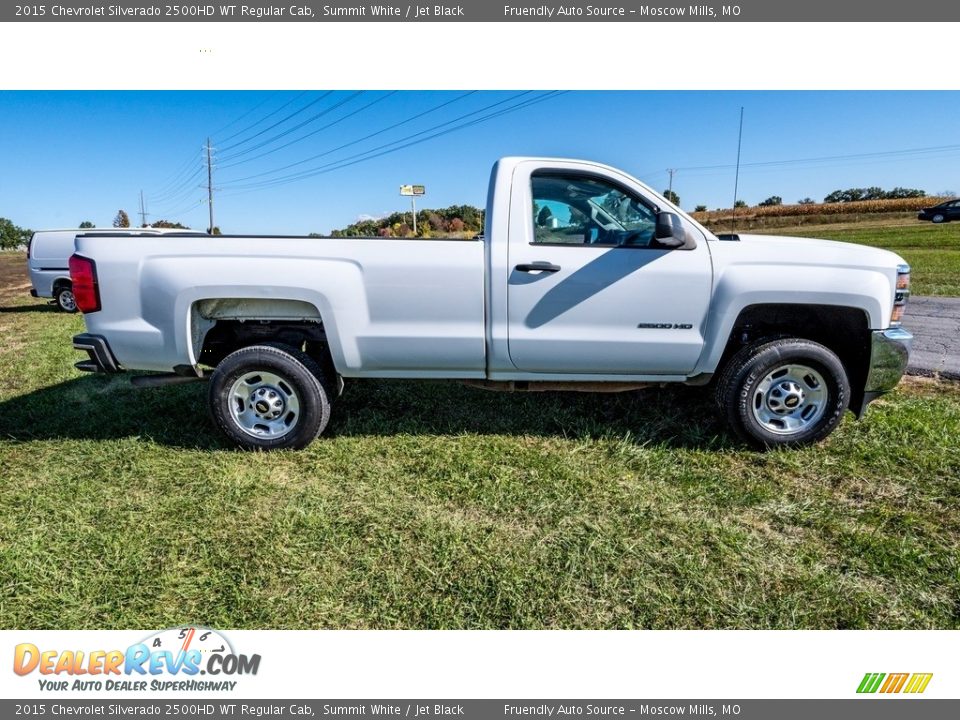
[[122, 220]]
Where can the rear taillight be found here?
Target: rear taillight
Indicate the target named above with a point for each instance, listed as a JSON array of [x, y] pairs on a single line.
[[83, 275], [901, 295]]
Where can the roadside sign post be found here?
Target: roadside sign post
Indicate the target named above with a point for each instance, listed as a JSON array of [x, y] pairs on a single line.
[[412, 191]]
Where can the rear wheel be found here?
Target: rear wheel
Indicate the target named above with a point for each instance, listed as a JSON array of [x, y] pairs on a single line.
[[788, 392], [938, 218], [65, 299], [268, 397]]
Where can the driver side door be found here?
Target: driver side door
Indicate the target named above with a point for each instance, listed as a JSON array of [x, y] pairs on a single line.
[[589, 290]]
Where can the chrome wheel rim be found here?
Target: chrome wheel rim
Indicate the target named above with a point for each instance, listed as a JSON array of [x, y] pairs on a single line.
[[264, 404], [790, 399], [68, 301]]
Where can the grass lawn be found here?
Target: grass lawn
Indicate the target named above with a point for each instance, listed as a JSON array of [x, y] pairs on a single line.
[[432, 505], [933, 251]]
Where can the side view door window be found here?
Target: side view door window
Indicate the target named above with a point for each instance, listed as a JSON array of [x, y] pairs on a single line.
[[571, 209]]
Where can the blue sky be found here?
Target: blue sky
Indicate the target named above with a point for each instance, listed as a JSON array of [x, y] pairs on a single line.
[[71, 156]]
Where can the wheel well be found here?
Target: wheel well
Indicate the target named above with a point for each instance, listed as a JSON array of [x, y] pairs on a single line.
[[227, 336], [844, 330], [61, 283]]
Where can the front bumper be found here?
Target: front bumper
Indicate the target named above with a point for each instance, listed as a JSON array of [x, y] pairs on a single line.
[[100, 356], [889, 354]]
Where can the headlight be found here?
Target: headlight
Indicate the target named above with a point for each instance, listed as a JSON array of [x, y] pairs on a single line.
[[901, 295]]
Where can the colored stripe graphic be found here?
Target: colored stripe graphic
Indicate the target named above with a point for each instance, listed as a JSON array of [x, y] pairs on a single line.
[[894, 683], [918, 683], [870, 682]]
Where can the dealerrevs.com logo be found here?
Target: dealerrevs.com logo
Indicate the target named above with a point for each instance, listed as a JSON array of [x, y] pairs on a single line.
[[173, 659]]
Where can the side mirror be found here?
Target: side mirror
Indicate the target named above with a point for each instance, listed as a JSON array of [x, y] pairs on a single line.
[[670, 232]]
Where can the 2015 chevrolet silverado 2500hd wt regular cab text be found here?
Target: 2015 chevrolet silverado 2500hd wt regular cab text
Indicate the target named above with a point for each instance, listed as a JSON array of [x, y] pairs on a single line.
[[584, 279]]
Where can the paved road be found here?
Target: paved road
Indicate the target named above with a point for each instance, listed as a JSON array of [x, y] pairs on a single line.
[[935, 324]]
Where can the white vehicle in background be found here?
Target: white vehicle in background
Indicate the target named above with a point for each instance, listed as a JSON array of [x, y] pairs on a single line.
[[48, 252]]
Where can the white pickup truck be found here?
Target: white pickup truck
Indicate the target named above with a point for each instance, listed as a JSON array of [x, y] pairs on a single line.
[[585, 279]]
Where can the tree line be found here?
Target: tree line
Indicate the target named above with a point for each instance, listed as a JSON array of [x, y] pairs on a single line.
[[837, 196], [453, 220]]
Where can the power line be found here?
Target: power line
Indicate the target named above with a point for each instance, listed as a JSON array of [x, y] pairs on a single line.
[[371, 154], [248, 112], [826, 158], [308, 173], [185, 209], [179, 189], [313, 132], [264, 118], [172, 179], [358, 140], [288, 131], [278, 122], [183, 192]]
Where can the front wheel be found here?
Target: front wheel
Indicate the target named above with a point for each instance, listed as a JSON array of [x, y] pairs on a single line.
[[65, 300], [938, 218], [788, 392], [268, 397]]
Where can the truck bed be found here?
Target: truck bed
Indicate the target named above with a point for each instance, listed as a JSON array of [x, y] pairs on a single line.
[[415, 307]]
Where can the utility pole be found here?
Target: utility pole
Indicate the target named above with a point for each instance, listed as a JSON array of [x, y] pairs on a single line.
[[736, 177], [670, 190], [210, 185], [143, 212]]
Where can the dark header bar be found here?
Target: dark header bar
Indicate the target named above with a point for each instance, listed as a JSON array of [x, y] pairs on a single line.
[[223, 707], [485, 11]]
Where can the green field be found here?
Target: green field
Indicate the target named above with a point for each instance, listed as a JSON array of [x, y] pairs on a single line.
[[437, 506], [933, 251]]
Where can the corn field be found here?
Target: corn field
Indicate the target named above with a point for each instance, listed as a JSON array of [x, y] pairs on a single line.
[[846, 208]]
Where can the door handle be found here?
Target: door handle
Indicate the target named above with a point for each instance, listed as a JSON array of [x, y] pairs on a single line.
[[538, 267]]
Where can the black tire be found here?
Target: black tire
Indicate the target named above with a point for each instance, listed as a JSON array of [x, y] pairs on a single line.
[[765, 406], [296, 381], [938, 218], [65, 300]]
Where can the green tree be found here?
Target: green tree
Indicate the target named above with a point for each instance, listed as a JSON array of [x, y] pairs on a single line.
[[167, 224], [122, 220], [672, 196], [12, 236], [86, 224], [899, 192], [740, 203], [807, 201], [771, 201], [700, 208]]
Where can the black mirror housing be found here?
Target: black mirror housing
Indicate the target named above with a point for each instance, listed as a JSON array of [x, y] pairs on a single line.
[[670, 232]]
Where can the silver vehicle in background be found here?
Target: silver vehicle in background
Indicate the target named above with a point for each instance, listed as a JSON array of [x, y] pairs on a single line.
[[47, 254]]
